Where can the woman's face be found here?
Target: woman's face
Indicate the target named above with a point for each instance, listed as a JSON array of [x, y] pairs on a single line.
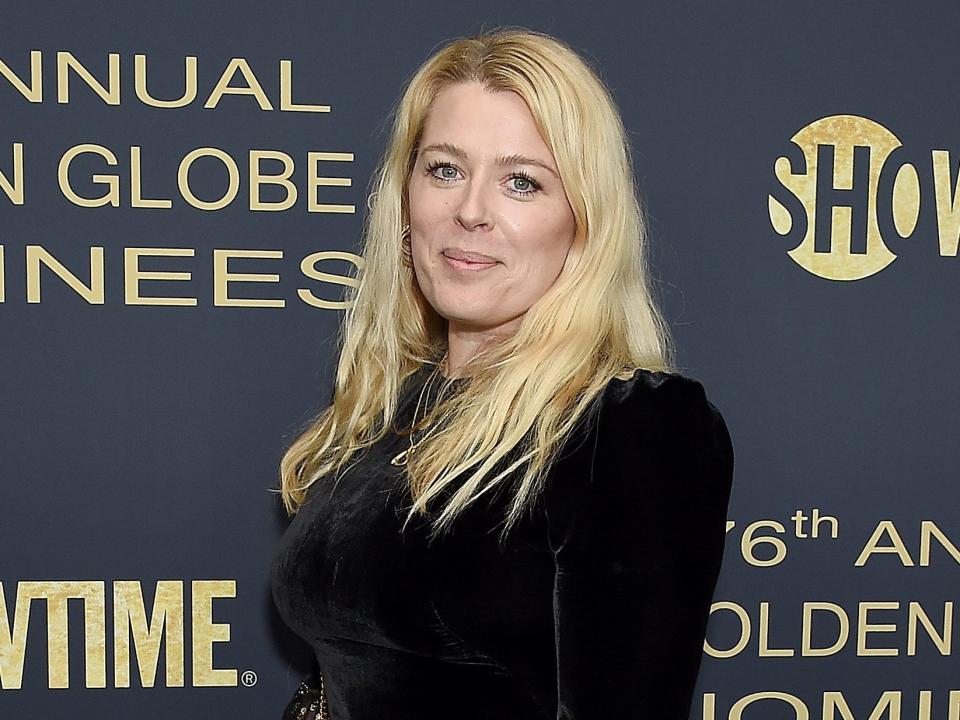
[[490, 224]]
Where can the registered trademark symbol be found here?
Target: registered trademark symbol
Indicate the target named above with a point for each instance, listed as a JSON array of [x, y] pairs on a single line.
[[248, 678]]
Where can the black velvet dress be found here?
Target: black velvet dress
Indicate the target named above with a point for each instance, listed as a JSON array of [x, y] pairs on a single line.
[[594, 609]]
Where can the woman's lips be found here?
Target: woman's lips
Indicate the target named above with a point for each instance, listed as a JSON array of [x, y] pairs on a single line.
[[468, 265]]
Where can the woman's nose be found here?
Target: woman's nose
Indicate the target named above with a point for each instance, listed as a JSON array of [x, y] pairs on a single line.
[[474, 209]]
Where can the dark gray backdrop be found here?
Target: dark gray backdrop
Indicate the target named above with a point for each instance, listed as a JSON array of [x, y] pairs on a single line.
[[139, 443]]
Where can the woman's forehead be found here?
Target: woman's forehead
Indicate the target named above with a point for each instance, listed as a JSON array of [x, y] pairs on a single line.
[[468, 121]]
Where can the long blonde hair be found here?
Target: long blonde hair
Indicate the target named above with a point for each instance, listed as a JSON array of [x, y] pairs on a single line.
[[522, 394]]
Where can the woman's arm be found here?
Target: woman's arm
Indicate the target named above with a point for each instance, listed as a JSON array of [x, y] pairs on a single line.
[[638, 546]]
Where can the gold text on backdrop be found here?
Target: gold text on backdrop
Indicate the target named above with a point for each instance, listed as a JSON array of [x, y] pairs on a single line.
[[844, 158], [68, 67], [129, 618]]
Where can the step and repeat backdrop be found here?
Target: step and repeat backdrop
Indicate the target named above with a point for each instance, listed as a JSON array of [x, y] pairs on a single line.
[[181, 193]]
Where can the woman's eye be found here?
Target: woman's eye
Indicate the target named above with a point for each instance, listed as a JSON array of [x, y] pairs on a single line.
[[442, 172], [523, 184], [519, 183]]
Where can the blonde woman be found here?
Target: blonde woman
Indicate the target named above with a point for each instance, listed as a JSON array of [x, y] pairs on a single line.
[[514, 506]]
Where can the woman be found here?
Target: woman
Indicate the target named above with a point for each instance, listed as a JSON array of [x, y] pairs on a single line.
[[504, 316]]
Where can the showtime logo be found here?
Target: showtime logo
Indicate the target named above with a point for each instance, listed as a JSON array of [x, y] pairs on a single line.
[[836, 194], [128, 619]]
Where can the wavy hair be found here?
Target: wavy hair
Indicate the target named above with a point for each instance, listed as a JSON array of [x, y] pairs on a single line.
[[522, 394]]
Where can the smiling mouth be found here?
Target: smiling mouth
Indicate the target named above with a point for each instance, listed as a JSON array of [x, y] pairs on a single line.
[[468, 264], [467, 255]]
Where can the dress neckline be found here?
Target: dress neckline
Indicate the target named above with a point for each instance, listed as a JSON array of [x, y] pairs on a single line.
[[426, 369]]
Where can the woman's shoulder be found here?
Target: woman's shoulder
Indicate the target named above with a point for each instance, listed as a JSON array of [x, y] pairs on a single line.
[[658, 448], [642, 393], [642, 403], [664, 415]]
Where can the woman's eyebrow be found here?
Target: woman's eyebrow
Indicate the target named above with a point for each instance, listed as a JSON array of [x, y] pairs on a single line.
[[501, 160]]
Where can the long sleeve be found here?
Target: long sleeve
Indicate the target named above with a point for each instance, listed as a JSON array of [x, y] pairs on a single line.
[[638, 542]]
